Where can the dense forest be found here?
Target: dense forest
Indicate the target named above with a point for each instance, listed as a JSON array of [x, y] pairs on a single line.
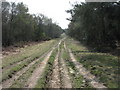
[[20, 26], [96, 24]]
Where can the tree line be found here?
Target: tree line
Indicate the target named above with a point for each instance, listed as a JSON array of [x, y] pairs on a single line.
[[96, 24], [20, 26]]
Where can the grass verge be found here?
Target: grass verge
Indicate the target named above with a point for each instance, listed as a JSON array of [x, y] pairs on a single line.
[[103, 65]]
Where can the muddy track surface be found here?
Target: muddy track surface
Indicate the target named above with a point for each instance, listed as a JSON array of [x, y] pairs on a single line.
[[32, 81], [86, 74], [55, 79], [60, 77], [7, 83], [66, 83], [55, 82]]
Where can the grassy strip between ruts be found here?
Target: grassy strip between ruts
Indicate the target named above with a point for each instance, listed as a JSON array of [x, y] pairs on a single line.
[[77, 80], [11, 71], [59, 64], [28, 52], [103, 65], [20, 82], [44, 79]]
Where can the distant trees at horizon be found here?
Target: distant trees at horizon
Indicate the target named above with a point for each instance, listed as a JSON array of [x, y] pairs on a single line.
[[18, 25]]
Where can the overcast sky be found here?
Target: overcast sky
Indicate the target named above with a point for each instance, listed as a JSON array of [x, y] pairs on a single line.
[[54, 9]]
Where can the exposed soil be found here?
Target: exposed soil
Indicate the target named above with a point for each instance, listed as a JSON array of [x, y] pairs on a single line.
[[9, 82], [66, 83], [55, 82], [60, 77], [55, 78], [38, 72]]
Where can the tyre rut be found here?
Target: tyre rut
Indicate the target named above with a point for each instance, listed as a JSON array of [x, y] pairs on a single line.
[[32, 81], [7, 83], [55, 78], [64, 72]]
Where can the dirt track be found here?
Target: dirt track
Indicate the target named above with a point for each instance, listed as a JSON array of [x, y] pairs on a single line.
[[65, 74], [60, 77], [55, 82], [37, 72], [9, 82]]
